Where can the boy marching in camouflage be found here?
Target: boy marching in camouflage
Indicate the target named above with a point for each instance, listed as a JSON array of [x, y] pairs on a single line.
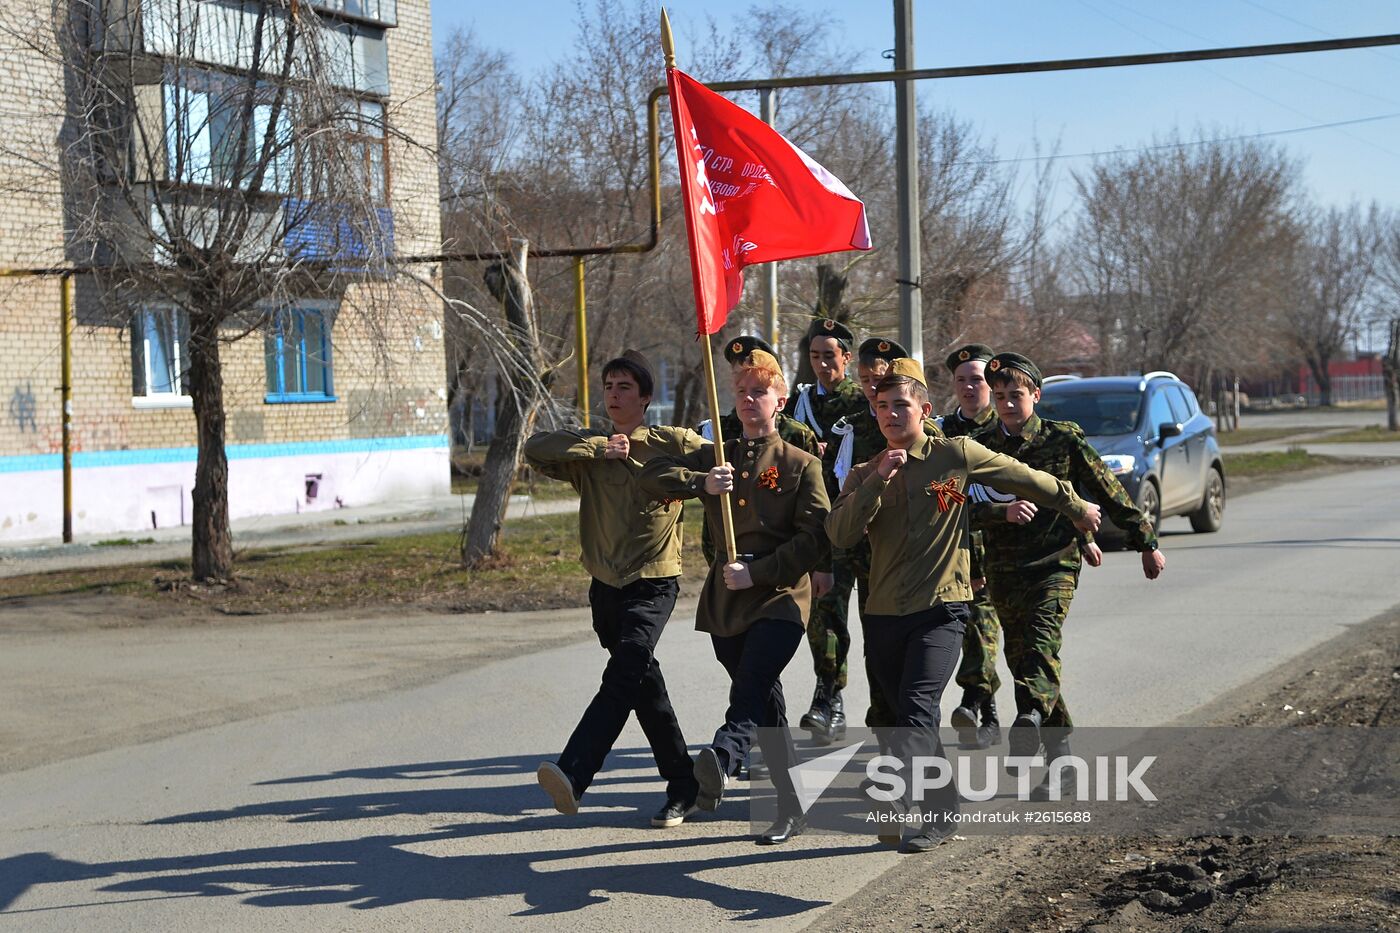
[[1033, 558], [911, 501], [632, 547], [976, 716], [820, 406]]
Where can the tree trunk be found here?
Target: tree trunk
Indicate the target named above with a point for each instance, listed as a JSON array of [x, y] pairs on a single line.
[[1323, 377], [831, 303], [1390, 366], [687, 381], [212, 555], [508, 284]]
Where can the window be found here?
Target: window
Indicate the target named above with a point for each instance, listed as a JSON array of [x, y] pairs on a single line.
[[1178, 402], [297, 351], [159, 361], [205, 140], [1159, 412]]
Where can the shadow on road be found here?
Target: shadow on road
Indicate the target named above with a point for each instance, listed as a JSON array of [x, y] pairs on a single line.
[[393, 869]]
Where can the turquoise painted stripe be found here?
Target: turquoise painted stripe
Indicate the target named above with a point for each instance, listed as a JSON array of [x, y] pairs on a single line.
[[108, 458]]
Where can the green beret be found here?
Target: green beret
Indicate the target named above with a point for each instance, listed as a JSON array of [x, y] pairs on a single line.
[[1014, 361], [826, 327], [973, 351], [738, 349], [881, 348]]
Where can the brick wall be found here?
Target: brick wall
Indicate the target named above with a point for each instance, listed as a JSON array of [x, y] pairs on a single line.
[[388, 384]]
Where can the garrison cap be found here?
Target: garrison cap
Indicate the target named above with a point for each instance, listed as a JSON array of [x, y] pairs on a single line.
[[638, 365], [1015, 361], [762, 359], [738, 349], [908, 366], [827, 327], [973, 351], [881, 348]]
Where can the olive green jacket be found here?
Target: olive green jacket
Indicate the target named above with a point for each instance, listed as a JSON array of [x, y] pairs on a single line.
[[779, 503], [917, 521], [625, 534]]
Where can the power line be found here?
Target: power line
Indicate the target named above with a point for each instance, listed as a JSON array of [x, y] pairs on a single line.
[[1183, 145]]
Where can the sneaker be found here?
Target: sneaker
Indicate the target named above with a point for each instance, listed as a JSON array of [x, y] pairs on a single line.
[[674, 812], [929, 836], [711, 778], [558, 786]]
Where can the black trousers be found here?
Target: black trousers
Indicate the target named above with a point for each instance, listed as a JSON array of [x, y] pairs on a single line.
[[913, 658], [755, 659], [629, 622]]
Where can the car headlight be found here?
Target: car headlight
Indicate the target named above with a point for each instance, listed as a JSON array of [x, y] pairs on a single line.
[[1118, 464]]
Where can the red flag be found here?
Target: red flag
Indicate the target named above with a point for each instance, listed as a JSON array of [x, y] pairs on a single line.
[[750, 196]]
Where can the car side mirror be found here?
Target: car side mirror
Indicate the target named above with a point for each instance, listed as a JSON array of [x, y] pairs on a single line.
[[1167, 429]]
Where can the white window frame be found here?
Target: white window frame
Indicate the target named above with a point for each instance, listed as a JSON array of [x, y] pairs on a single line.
[[179, 398]]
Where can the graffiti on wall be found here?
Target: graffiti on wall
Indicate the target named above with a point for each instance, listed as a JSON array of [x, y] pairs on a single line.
[[23, 409]]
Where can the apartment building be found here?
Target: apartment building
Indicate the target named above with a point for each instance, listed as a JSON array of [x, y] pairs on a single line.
[[326, 406]]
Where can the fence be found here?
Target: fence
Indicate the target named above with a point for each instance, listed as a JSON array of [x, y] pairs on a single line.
[[1346, 388]]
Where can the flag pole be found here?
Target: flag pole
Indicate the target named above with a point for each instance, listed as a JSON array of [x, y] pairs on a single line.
[[668, 46]]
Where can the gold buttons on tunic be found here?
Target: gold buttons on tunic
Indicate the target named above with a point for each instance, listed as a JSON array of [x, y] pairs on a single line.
[[743, 502], [745, 474]]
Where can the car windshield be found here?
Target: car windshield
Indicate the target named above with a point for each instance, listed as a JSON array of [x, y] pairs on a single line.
[[1097, 414]]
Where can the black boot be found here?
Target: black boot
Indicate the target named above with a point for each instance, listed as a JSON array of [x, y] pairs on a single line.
[[818, 718], [1056, 746], [964, 719], [836, 723], [1025, 736], [989, 733]]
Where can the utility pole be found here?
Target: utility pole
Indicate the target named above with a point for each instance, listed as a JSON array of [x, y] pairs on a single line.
[[911, 312], [768, 113]]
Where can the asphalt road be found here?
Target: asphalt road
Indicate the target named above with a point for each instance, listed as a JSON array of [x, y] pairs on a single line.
[[417, 808]]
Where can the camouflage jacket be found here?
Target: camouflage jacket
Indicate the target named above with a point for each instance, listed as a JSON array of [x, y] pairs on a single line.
[[954, 424], [866, 442], [790, 430], [820, 411], [1050, 540]]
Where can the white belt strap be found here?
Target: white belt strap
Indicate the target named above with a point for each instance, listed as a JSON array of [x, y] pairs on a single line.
[[844, 454], [803, 410]]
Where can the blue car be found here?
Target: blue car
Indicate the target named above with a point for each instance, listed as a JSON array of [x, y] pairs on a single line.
[[1152, 434]]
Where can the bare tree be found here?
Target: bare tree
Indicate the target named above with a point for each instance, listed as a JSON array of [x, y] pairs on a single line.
[[509, 283], [225, 162], [1388, 312], [1178, 251], [1332, 282]]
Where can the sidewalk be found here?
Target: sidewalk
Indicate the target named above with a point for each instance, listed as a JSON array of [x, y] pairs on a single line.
[[1315, 442], [381, 520]]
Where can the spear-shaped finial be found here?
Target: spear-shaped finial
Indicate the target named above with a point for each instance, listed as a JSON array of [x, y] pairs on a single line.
[[668, 44]]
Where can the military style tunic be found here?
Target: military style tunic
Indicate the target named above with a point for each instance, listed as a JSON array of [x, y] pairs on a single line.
[[1050, 540], [779, 504], [625, 533], [918, 521]]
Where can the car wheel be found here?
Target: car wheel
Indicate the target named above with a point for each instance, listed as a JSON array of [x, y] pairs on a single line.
[[1150, 503], [1208, 517]]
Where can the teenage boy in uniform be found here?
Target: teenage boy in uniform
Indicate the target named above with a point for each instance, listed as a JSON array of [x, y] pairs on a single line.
[[860, 440], [911, 501], [754, 608], [820, 406], [1033, 557], [631, 544], [975, 717]]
